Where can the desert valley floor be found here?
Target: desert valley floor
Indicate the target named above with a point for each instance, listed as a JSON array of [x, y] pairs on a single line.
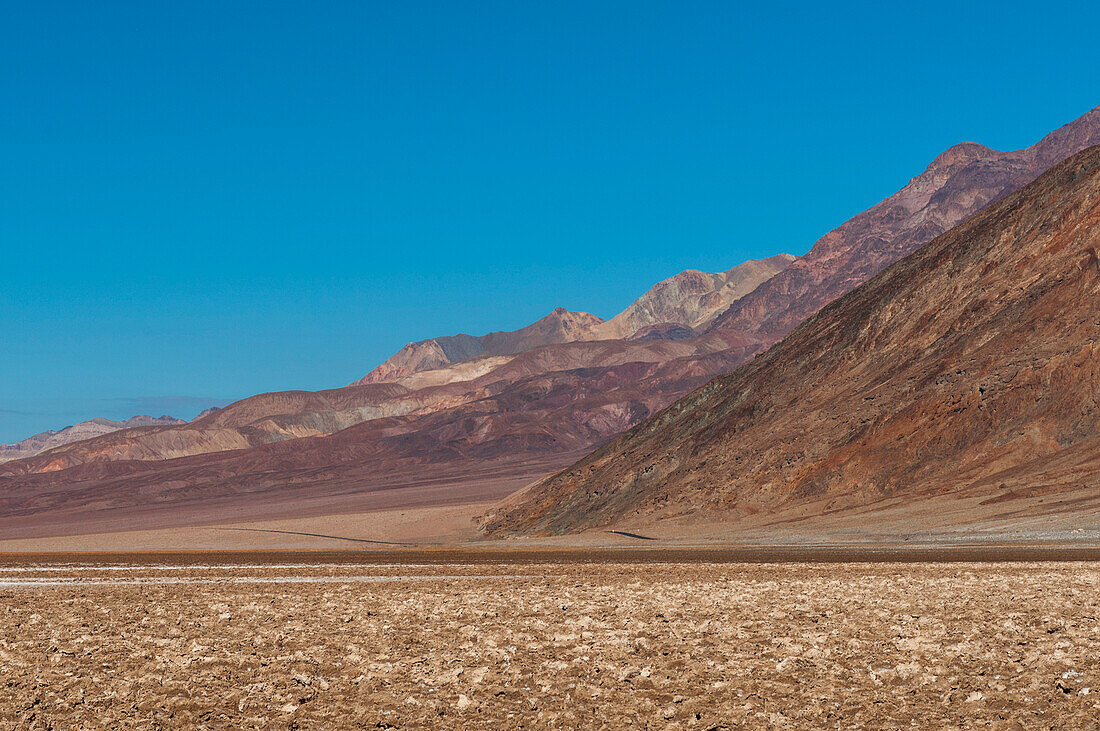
[[598, 639]]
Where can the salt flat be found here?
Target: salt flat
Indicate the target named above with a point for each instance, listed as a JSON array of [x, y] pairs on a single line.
[[347, 642]]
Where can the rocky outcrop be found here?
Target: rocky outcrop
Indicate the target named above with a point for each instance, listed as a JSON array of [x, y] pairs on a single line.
[[206, 412], [972, 366]]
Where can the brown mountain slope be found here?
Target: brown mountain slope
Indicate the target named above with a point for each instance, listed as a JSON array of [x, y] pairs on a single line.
[[957, 184], [971, 365], [90, 429], [281, 416], [261, 419], [539, 422]]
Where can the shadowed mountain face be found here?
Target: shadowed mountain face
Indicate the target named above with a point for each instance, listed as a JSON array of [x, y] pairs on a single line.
[[38, 443], [957, 184], [972, 365]]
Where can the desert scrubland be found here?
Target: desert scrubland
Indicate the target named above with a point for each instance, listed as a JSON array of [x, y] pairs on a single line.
[[562, 645]]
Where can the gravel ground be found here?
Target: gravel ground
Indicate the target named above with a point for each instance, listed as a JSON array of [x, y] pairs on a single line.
[[1010, 645]]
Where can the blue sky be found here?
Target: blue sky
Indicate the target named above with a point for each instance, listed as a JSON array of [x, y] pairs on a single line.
[[205, 200]]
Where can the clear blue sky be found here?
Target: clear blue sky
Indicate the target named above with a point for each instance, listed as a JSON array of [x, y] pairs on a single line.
[[206, 200]]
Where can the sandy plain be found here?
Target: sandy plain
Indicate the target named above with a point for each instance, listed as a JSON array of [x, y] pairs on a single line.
[[603, 640]]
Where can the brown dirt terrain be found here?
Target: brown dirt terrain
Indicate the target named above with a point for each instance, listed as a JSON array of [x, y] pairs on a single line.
[[560, 645]]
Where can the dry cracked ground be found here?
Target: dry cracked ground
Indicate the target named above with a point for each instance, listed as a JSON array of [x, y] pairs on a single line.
[[859, 645]]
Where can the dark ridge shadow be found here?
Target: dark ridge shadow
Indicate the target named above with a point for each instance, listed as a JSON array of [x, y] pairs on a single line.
[[319, 535], [632, 535]]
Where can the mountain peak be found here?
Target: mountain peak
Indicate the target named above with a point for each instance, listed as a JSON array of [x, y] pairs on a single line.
[[963, 153]]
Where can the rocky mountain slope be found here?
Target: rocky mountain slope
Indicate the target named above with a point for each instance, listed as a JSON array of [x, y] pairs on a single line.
[[958, 183], [972, 366], [543, 419], [90, 429]]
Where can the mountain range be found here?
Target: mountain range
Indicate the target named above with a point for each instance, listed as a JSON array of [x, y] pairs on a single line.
[[510, 404], [970, 367]]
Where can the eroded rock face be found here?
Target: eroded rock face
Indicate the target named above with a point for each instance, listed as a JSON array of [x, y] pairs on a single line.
[[972, 364], [663, 331], [958, 183]]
